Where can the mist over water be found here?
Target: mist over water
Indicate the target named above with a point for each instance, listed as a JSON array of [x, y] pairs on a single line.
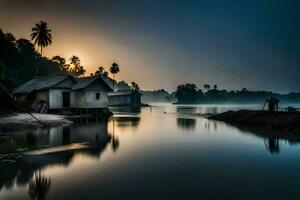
[[163, 152]]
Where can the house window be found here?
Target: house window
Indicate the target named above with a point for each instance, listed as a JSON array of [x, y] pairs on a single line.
[[97, 96]]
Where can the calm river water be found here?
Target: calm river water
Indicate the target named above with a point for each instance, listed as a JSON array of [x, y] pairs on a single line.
[[163, 152]]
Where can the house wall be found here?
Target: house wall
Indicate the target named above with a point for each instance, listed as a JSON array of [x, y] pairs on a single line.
[[56, 98], [119, 100], [87, 99]]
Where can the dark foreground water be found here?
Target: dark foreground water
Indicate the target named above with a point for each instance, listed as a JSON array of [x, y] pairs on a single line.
[[161, 153]]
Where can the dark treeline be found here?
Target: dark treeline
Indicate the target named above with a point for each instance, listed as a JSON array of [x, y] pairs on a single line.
[[22, 60], [189, 94], [160, 95], [19, 62]]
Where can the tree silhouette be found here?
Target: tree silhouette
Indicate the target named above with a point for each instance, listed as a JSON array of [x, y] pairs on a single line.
[[63, 66], [114, 69], [215, 87], [76, 68], [187, 93], [135, 86], [39, 187], [100, 70], [206, 86], [26, 48], [105, 74], [41, 35]]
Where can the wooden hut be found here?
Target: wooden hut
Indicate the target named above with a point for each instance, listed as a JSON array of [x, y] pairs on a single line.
[[124, 98]]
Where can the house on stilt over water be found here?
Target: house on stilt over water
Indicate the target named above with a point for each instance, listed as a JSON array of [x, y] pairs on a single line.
[[64, 92]]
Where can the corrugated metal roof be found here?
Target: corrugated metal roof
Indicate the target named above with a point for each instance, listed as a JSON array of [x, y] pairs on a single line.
[[83, 82], [40, 83], [86, 81], [120, 93]]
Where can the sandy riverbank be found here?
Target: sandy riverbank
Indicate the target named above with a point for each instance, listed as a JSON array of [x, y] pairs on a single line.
[[20, 121]]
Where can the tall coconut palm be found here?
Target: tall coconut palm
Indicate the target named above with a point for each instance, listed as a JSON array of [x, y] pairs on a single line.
[[41, 36], [114, 69]]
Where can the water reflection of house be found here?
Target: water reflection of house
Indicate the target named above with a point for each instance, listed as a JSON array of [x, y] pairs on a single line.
[[95, 135], [186, 123], [65, 92], [124, 98]]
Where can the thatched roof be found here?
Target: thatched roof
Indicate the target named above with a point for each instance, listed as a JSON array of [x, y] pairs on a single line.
[[41, 83]]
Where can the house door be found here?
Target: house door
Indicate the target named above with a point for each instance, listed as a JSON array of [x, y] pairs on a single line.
[[66, 99]]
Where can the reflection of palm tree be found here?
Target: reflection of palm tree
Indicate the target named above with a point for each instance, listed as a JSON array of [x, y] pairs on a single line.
[[39, 187], [186, 123], [114, 141], [272, 145]]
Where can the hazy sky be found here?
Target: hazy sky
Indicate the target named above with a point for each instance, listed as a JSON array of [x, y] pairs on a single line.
[[160, 44]]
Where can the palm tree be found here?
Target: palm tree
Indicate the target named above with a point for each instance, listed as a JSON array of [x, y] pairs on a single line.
[[114, 69], [75, 62], [76, 67], [206, 86], [41, 35]]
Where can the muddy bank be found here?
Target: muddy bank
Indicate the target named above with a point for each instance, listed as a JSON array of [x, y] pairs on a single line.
[[277, 122], [19, 121]]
